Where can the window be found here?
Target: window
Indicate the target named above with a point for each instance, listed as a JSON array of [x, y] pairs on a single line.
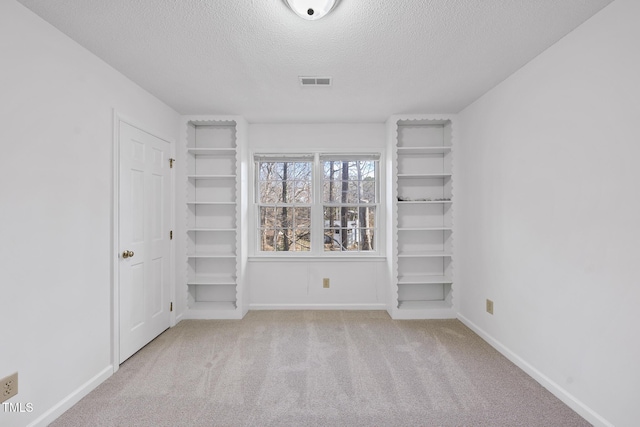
[[284, 200], [317, 203], [349, 203]]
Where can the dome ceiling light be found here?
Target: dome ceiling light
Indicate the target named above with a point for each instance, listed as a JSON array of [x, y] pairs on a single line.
[[311, 10]]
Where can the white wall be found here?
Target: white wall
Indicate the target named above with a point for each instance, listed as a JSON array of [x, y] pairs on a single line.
[[354, 284], [56, 126], [547, 216]]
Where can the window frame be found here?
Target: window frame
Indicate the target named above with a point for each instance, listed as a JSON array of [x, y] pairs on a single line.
[[317, 205], [258, 205]]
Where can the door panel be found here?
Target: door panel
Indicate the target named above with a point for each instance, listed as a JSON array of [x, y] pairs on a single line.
[[156, 292], [136, 296], [144, 230]]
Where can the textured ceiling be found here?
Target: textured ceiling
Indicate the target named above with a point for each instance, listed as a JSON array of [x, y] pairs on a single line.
[[385, 57]]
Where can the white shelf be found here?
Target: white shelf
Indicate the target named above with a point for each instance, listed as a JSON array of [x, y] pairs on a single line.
[[425, 229], [212, 281], [423, 279], [424, 175], [195, 177], [425, 254], [205, 310], [423, 150], [213, 224], [423, 305], [424, 202], [422, 240], [211, 203], [213, 306], [211, 151], [211, 230], [211, 255]]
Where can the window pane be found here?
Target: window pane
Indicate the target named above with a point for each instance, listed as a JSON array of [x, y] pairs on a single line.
[[298, 192], [349, 191], [350, 216], [365, 217], [366, 239], [271, 192], [302, 217], [349, 182], [302, 239], [367, 190], [340, 239], [332, 239], [285, 228], [349, 239], [349, 228], [351, 170], [280, 170], [267, 239], [267, 171], [331, 192], [284, 182], [301, 171], [267, 216], [365, 170], [285, 240], [277, 217]]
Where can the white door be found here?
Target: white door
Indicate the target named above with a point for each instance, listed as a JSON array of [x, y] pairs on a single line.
[[144, 215]]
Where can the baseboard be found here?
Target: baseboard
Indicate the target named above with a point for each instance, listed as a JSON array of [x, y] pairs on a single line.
[[49, 416], [317, 306], [179, 318], [567, 398]]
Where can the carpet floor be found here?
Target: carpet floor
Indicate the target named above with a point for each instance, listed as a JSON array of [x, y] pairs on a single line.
[[319, 368]]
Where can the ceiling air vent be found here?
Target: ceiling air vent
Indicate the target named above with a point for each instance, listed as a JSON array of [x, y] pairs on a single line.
[[315, 81]]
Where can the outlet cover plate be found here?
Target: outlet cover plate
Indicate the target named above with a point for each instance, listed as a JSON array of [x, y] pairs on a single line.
[[489, 306], [8, 387]]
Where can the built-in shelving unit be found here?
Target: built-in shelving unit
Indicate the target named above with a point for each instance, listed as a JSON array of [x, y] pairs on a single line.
[[422, 229], [213, 227]]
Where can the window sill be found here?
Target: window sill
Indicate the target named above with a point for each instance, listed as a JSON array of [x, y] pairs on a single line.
[[309, 258]]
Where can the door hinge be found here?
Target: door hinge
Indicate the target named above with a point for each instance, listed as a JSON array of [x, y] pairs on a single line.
[[171, 161], [171, 306], [171, 235]]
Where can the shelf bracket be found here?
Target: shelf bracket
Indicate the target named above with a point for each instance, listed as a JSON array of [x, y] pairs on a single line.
[[171, 161]]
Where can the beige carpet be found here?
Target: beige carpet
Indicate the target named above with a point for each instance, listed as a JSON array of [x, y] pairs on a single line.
[[319, 368]]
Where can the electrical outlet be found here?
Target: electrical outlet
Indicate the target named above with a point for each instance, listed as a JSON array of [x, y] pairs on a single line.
[[489, 306], [8, 387], [325, 282]]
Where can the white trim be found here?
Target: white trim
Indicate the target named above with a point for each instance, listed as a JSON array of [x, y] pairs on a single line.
[[315, 258], [327, 156], [141, 127], [115, 236], [179, 318], [115, 244], [562, 394], [375, 306], [61, 407], [284, 157], [172, 242]]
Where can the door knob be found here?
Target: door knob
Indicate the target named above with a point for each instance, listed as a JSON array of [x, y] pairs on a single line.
[[127, 254]]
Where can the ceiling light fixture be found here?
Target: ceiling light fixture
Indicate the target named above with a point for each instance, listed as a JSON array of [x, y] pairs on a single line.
[[311, 10]]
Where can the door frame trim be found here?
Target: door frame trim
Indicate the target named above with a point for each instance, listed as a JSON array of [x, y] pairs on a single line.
[[115, 232]]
